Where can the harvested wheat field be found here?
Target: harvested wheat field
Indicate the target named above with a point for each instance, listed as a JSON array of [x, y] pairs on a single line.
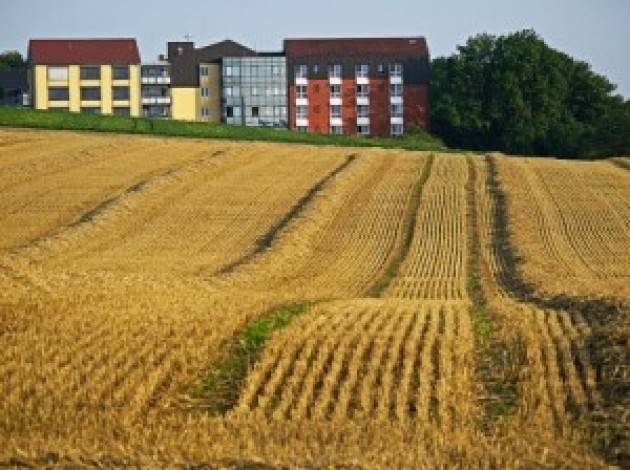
[[215, 304]]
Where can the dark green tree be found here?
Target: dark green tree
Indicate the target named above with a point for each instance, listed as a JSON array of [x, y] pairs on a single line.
[[516, 94], [10, 60]]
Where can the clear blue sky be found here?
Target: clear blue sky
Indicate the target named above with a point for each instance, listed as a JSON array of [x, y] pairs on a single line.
[[596, 31]]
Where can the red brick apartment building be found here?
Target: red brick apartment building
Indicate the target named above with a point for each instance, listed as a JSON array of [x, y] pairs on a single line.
[[365, 86]]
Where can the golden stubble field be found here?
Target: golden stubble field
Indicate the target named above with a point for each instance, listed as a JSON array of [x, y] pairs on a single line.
[[464, 310]]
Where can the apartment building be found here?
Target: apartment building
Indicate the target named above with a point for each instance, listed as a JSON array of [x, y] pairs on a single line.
[[377, 86], [98, 76], [155, 79], [196, 78]]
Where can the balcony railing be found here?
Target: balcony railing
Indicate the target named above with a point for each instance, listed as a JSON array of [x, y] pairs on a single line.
[[156, 100], [148, 80]]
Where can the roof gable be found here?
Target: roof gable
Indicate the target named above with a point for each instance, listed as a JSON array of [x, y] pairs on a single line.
[[119, 51]]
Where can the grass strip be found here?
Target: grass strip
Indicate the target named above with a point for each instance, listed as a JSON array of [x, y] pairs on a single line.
[[415, 139], [409, 227], [219, 389], [493, 355]]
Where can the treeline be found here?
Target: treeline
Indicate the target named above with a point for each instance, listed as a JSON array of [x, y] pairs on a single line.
[[516, 94]]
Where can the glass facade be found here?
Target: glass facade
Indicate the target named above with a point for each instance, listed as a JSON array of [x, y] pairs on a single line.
[[254, 91]]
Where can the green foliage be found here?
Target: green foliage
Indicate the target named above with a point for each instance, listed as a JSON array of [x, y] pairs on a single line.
[[21, 117], [10, 60], [516, 94], [220, 387]]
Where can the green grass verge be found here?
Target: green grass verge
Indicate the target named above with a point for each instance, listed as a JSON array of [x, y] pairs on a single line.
[[219, 389], [30, 118], [408, 230]]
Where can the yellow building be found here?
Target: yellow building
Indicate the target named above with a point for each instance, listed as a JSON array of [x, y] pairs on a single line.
[[99, 76]]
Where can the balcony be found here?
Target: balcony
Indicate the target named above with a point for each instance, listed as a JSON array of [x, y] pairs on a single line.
[[396, 99], [363, 100], [299, 101], [335, 101], [156, 100], [397, 120], [334, 80], [395, 79], [301, 122], [301, 80], [161, 80], [363, 121], [336, 121]]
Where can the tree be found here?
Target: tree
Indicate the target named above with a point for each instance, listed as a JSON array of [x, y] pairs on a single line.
[[516, 94], [10, 60]]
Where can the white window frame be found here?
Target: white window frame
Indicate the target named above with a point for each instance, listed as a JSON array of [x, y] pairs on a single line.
[[365, 131], [303, 129], [396, 70], [336, 130], [301, 112], [301, 91], [362, 70], [366, 90], [335, 71], [335, 111], [396, 110], [57, 73], [227, 71], [361, 113], [301, 71], [335, 94], [395, 89], [397, 129]]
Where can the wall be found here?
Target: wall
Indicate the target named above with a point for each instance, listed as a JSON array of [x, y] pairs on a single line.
[[184, 103], [416, 106], [318, 106], [348, 107], [213, 101], [40, 89], [379, 107], [135, 103]]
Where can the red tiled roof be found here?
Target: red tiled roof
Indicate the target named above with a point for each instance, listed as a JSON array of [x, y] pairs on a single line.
[[356, 46], [123, 51]]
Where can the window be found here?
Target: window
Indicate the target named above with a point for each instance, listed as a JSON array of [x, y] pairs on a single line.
[[229, 111], [121, 111], [303, 129], [336, 130], [380, 68], [363, 90], [363, 111], [203, 71], [205, 112], [237, 112], [232, 91], [396, 89], [58, 94], [315, 69], [58, 74], [276, 70], [205, 91], [334, 71], [255, 111], [363, 130], [90, 93], [301, 71], [120, 72], [335, 91], [255, 91], [301, 91], [90, 73], [227, 71], [395, 70], [335, 111], [91, 110], [277, 91], [396, 110], [121, 93], [362, 70], [397, 129], [301, 112]]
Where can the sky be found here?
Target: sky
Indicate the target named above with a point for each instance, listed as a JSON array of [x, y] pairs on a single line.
[[595, 31]]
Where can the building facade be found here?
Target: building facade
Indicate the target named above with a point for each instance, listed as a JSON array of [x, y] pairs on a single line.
[[254, 90], [358, 86], [155, 79], [196, 78], [97, 76]]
